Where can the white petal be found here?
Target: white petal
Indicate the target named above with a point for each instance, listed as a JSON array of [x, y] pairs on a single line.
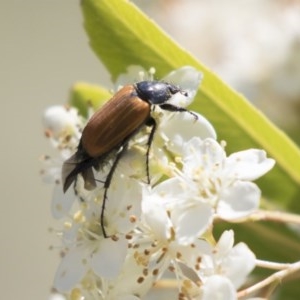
[[51, 172], [238, 200], [133, 164], [56, 297], [58, 118], [189, 255], [249, 164], [156, 217], [123, 202], [225, 242], [217, 287], [134, 73], [190, 222], [170, 190], [71, 270], [126, 283], [187, 78], [181, 127], [238, 264], [61, 202], [202, 155], [70, 234], [109, 258]]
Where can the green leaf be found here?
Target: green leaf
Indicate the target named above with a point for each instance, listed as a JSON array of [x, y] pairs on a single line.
[[121, 35], [83, 94]]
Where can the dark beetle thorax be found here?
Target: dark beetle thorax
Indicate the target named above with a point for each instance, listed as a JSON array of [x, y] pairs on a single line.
[[155, 92]]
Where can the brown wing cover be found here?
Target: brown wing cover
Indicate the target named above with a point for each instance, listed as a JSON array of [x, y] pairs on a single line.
[[114, 122]]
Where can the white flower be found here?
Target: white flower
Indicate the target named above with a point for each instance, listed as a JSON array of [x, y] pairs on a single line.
[[103, 256], [221, 271], [209, 183], [233, 262], [222, 181], [128, 284], [164, 226], [86, 248], [63, 125], [157, 246], [190, 216]]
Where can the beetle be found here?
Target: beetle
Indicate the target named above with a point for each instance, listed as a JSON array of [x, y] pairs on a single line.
[[108, 132]]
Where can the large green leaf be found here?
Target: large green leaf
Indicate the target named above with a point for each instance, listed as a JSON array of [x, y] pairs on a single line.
[[121, 36]]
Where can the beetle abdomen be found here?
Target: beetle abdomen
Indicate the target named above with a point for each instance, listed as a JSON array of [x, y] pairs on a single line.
[[117, 120]]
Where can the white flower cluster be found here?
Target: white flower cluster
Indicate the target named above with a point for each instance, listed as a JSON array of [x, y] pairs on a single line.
[[162, 228]]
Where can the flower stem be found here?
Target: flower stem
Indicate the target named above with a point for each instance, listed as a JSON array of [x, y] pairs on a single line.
[[277, 216], [274, 278]]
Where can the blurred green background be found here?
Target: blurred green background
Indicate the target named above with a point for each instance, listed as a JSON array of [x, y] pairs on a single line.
[[44, 51]]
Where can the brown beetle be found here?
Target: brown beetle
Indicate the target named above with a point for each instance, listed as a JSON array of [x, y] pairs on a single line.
[[108, 132]]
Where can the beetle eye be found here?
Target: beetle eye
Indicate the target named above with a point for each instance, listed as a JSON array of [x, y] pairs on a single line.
[[174, 90]]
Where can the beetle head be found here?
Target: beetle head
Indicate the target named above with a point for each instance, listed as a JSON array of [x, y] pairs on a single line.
[[157, 92]]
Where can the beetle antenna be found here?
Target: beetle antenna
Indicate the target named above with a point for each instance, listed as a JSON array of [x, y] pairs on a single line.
[[175, 108]]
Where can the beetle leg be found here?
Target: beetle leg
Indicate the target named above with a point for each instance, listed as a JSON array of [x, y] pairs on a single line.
[[174, 108], [151, 123], [107, 184]]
